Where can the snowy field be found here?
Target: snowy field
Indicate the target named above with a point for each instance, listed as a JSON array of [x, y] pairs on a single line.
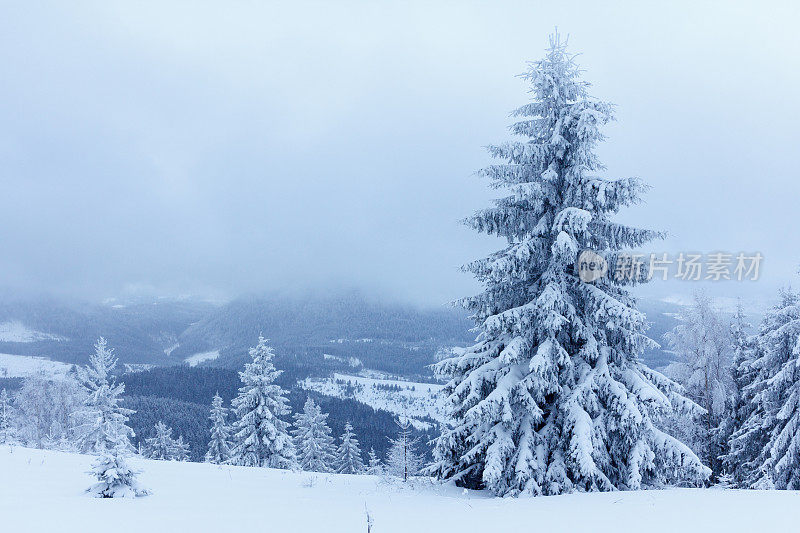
[[20, 366], [43, 491], [404, 398]]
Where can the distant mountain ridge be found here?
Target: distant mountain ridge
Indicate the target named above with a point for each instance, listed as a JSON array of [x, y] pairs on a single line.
[[344, 326], [66, 330], [167, 332], [323, 332]]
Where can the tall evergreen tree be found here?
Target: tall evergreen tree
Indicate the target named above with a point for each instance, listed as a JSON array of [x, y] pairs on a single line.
[[553, 397], [776, 416], [103, 430], [261, 437], [312, 439], [348, 456], [741, 399], [750, 445], [219, 448], [102, 420]]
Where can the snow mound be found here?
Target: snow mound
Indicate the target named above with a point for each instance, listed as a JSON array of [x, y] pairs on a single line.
[[44, 491]]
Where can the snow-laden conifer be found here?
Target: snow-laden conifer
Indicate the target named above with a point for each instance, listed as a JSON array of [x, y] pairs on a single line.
[[102, 428], [181, 451], [102, 421], [374, 466], [775, 420], [749, 444], [348, 455], [402, 459], [115, 478], [219, 448], [553, 397], [260, 436], [161, 446], [743, 371], [313, 442]]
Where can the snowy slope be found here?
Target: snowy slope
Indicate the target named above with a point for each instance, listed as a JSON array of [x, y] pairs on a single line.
[[196, 359], [354, 362], [16, 331], [43, 491], [404, 398], [19, 366]]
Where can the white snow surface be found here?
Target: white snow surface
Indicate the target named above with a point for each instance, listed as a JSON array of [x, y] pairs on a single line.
[[413, 400], [198, 358], [44, 491], [20, 366], [16, 331]]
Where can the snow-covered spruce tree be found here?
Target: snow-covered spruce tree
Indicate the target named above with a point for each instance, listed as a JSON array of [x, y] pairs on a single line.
[[103, 430], [181, 451], [261, 437], [703, 342], [313, 442], [747, 445], [7, 432], [741, 400], [102, 421], [374, 466], [115, 478], [553, 397], [402, 459], [161, 446], [219, 448], [777, 398], [348, 455]]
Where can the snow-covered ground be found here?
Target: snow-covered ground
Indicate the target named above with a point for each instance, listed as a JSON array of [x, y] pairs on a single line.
[[16, 331], [405, 398], [196, 359], [20, 366], [42, 491]]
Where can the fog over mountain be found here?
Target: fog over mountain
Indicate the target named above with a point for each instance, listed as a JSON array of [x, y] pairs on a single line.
[[317, 333], [217, 151]]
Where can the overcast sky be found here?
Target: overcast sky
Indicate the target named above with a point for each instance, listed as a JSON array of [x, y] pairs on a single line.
[[237, 147]]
